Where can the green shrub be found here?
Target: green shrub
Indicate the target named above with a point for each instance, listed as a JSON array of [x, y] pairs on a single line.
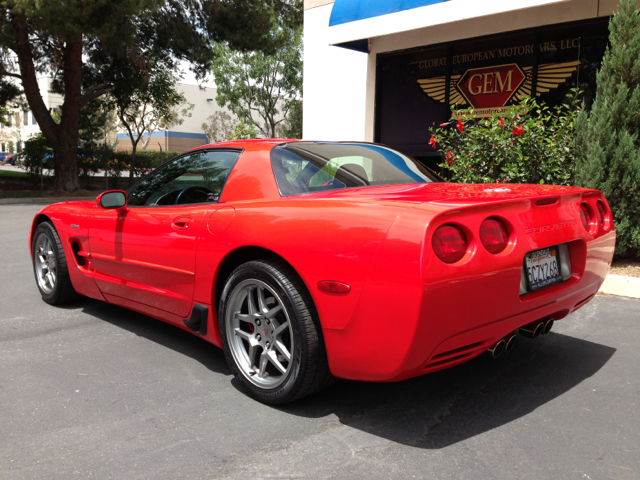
[[529, 143], [148, 159], [609, 137], [37, 154]]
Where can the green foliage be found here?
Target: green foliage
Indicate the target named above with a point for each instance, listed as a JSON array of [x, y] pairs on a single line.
[[254, 84], [36, 151], [91, 48], [292, 127], [609, 136], [219, 127], [529, 143], [243, 132], [153, 105], [94, 119]]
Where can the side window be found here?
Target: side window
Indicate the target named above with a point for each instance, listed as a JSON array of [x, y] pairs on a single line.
[[195, 178]]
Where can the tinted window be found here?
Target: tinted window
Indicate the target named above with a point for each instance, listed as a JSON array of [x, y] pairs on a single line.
[[195, 178], [305, 167]]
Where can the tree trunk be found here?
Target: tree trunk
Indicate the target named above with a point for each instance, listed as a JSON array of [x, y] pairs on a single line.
[[65, 159], [134, 146]]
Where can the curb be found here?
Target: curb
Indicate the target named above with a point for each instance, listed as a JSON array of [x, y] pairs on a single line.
[[621, 286], [42, 200]]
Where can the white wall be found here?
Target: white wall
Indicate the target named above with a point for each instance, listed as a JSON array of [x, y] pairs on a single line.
[[203, 107], [334, 99]]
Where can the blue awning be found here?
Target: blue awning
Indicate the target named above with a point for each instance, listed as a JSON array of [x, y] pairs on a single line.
[[345, 11]]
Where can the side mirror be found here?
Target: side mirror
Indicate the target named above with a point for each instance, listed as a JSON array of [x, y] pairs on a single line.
[[112, 199]]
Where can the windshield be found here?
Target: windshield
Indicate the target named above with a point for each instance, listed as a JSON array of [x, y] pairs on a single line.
[[306, 167]]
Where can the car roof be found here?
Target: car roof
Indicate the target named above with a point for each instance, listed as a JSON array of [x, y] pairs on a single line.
[[267, 142]]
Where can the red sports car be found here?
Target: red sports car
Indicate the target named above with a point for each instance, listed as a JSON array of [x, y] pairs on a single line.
[[307, 261]]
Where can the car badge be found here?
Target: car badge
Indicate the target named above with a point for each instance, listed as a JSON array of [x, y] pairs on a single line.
[[498, 190]]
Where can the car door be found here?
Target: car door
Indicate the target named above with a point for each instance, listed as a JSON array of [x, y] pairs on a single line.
[[146, 251]]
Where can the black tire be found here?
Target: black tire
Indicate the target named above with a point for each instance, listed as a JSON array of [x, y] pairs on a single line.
[[62, 290], [309, 369]]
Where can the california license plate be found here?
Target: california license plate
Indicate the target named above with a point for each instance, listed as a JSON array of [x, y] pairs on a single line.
[[542, 268]]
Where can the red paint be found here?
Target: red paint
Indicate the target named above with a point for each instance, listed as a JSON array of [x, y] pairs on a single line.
[[406, 310]]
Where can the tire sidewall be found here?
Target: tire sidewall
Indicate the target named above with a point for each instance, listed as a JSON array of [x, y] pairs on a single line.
[[47, 229], [262, 271]]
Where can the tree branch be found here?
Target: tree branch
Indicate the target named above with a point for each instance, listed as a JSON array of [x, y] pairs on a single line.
[[94, 92]]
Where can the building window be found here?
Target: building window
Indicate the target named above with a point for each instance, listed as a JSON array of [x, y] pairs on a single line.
[[25, 118], [33, 119]]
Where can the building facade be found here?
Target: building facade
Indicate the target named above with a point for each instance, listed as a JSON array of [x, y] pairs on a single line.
[[188, 134], [23, 123], [388, 70]]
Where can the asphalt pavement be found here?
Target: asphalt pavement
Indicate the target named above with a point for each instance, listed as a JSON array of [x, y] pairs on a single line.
[[96, 391]]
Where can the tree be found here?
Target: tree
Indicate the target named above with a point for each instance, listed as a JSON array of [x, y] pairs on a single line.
[[242, 131], [90, 46], [609, 137], [155, 105], [292, 127], [261, 89], [219, 127]]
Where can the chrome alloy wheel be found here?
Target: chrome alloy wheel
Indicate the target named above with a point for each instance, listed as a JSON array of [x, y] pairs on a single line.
[[45, 263], [260, 334]]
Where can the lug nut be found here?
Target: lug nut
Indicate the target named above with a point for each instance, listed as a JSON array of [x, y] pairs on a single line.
[[258, 322], [267, 321], [258, 337], [268, 345]]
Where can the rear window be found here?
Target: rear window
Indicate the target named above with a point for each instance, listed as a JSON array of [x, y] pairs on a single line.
[[306, 167]]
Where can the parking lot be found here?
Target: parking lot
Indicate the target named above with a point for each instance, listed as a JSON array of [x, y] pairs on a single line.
[[96, 391]]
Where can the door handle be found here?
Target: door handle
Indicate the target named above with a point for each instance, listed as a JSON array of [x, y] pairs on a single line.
[[181, 223]]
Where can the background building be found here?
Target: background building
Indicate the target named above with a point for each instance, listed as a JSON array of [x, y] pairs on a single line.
[[23, 123], [188, 134], [387, 71]]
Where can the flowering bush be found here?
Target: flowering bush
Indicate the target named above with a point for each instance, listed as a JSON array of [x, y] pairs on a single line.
[[529, 143]]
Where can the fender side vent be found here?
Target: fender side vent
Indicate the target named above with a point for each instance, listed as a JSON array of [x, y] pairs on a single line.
[[76, 250], [198, 320]]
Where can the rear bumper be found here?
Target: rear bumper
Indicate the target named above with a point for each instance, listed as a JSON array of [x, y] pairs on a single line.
[[409, 328]]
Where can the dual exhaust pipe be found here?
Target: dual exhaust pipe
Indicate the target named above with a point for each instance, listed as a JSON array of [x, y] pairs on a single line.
[[531, 330], [535, 329], [503, 346]]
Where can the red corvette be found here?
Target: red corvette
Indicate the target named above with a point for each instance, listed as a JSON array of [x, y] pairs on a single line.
[[307, 261]]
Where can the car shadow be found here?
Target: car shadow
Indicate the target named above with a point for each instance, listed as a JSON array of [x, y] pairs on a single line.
[[432, 411], [443, 408], [157, 331]]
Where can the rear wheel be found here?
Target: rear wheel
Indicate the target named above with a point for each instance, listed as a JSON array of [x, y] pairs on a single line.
[[50, 266], [271, 334]]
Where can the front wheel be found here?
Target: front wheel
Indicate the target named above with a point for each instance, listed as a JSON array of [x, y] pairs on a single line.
[[50, 266], [271, 334]]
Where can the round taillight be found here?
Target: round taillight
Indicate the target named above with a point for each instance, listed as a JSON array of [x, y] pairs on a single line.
[[494, 235], [587, 217], [449, 243], [603, 217]]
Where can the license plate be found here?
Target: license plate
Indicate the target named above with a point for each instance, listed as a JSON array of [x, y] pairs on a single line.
[[542, 268]]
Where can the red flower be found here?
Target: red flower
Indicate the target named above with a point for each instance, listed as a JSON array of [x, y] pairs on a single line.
[[449, 158], [519, 130], [432, 142], [460, 125], [501, 122], [442, 125]]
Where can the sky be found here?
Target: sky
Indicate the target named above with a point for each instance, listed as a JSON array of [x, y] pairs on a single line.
[[190, 79]]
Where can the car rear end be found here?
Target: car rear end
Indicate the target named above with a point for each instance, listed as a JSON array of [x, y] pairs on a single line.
[[495, 260]]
